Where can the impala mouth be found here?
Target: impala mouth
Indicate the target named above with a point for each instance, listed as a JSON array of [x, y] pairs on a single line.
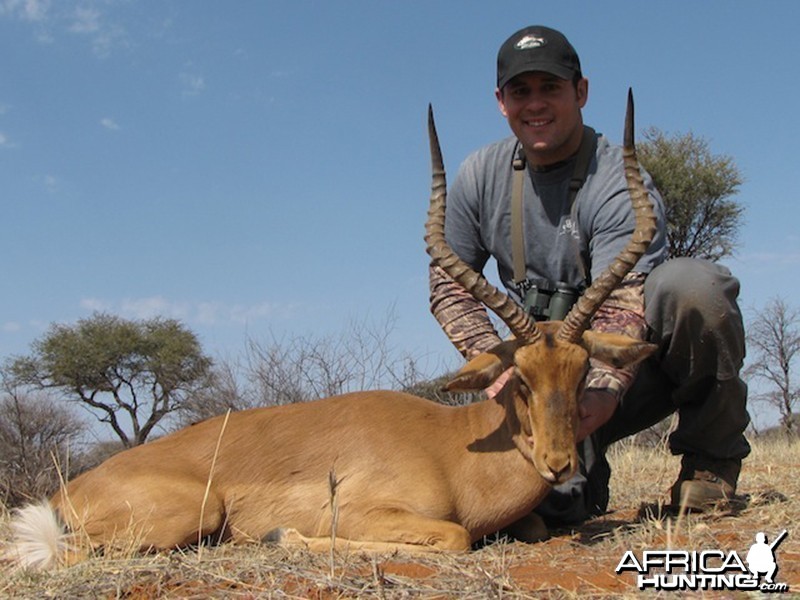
[[557, 470], [549, 478]]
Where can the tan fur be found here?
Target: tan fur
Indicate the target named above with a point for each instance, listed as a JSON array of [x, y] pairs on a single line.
[[409, 473]]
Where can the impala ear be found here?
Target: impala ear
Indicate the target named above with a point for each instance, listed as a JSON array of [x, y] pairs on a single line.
[[616, 350], [481, 371]]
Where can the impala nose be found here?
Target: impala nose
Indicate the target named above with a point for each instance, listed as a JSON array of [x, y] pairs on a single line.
[[559, 469]]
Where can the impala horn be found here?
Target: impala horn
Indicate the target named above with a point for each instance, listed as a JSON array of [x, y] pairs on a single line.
[[521, 324], [579, 318]]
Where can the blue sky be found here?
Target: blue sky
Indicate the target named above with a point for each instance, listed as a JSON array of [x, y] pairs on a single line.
[[261, 167]]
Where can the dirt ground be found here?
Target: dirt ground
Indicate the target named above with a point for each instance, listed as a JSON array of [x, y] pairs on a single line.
[[582, 562]]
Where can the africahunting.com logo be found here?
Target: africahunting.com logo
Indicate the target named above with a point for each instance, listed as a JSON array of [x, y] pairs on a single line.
[[707, 569]]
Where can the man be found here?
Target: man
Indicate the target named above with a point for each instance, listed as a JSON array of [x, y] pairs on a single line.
[[574, 209]]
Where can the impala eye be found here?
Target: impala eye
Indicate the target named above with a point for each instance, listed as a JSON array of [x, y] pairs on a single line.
[[524, 387]]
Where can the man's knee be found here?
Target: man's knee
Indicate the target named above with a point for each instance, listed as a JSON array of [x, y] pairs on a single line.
[[692, 279], [689, 286], [691, 309]]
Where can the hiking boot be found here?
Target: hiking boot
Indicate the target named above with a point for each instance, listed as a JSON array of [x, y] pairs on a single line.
[[704, 482]]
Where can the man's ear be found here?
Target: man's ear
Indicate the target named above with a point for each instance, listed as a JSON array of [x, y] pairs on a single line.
[[582, 91], [501, 104], [616, 350], [481, 371]]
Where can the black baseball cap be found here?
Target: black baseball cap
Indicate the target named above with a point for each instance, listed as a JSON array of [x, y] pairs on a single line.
[[536, 48]]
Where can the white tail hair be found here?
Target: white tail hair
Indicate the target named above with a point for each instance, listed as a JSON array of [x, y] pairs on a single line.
[[40, 539]]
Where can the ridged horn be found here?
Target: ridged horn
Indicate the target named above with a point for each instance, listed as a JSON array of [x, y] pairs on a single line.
[[578, 319], [513, 315]]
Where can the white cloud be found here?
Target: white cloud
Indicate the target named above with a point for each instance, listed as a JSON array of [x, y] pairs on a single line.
[[27, 10], [11, 327], [94, 305], [85, 20], [209, 313], [51, 183], [109, 124], [139, 308], [192, 84], [200, 313], [155, 306], [5, 141], [247, 314]]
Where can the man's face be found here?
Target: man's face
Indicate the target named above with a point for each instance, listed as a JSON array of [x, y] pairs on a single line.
[[544, 112]]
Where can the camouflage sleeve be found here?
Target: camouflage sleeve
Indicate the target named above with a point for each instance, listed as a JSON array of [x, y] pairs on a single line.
[[622, 312], [463, 319]]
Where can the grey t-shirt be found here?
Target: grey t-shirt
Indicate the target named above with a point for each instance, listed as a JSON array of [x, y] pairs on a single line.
[[478, 217]]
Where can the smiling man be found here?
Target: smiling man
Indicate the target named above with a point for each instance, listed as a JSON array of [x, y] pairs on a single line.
[[544, 112], [541, 91], [551, 205]]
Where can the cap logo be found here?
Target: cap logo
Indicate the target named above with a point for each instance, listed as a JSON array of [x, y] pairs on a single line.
[[530, 41]]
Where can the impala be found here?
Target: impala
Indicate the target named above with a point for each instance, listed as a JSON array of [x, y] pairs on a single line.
[[374, 470]]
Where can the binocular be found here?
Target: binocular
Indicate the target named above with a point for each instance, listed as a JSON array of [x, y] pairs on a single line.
[[552, 304]]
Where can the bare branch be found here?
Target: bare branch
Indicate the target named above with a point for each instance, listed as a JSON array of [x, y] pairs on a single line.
[[774, 342]]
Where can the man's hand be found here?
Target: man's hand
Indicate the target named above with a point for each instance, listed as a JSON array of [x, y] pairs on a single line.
[[594, 410]]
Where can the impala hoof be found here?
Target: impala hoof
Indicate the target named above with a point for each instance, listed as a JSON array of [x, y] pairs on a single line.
[[284, 536]]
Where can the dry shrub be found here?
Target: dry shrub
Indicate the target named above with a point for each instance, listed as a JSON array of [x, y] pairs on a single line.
[[38, 437]]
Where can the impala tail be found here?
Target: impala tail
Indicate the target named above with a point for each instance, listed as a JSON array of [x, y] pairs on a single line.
[[40, 540]]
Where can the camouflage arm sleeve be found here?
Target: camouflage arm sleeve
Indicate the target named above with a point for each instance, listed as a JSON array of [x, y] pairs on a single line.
[[463, 319], [622, 312]]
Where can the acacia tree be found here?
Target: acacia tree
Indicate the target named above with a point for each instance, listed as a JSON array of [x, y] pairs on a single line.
[[129, 374], [774, 343], [702, 218]]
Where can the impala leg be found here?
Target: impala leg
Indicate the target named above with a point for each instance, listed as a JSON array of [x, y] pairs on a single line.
[[530, 528], [384, 531]]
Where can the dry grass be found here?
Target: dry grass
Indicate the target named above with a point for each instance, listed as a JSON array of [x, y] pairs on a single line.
[[574, 563]]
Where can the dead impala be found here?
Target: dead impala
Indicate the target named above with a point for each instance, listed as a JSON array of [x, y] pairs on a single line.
[[410, 474]]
